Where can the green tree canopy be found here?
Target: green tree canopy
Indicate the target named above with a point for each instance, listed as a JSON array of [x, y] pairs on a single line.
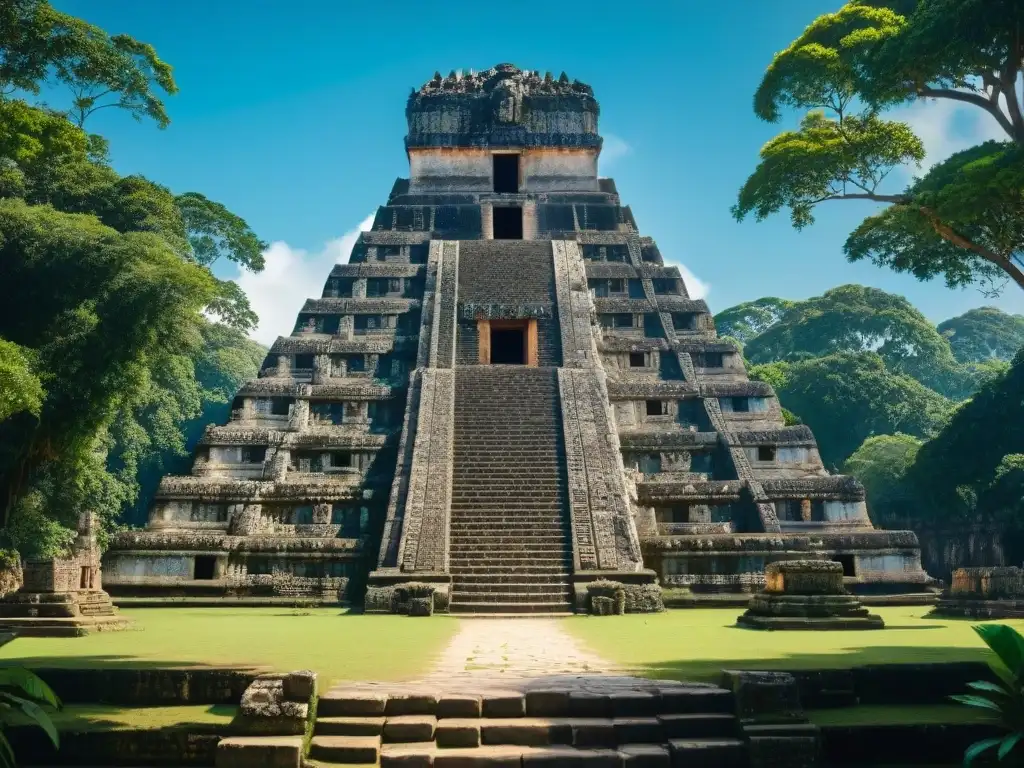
[[102, 379], [984, 334], [855, 318], [101, 71], [881, 463], [745, 321], [964, 220], [848, 397]]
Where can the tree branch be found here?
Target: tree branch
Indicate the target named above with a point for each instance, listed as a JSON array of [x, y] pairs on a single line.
[[977, 100], [950, 235], [895, 199]]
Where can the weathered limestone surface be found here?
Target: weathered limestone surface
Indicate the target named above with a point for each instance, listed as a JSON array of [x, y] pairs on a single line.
[[984, 593]]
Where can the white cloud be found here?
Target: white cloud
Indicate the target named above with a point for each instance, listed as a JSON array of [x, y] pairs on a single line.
[[697, 288], [614, 148], [291, 276], [947, 127]]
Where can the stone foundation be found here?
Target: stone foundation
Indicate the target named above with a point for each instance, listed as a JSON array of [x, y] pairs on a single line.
[[806, 594], [984, 593]]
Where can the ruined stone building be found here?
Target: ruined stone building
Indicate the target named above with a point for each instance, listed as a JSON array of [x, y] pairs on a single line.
[[505, 393]]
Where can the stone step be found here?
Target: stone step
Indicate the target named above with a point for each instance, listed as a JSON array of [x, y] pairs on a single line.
[[547, 570], [498, 756], [697, 726], [513, 562], [348, 726], [526, 537], [345, 749], [464, 588], [714, 753], [461, 598], [468, 580], [536, 606]]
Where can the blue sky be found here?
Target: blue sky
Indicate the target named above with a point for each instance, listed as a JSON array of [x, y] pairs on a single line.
[[292, 115]]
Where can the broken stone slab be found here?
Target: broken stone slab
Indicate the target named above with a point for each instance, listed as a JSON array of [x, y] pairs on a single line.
[[765, 696], [645, 756], [300, 685], [259, 752]]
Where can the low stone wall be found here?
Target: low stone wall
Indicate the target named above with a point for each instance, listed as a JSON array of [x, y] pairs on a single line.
[[888, 684], [188, 746], [924, 744], [147, 687]]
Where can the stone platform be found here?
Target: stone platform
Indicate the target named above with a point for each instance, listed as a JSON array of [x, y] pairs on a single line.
[[807, 594], [984, 593]]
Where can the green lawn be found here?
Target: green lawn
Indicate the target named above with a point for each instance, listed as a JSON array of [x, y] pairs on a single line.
[[339, 646], [886, 715], [80, 718], [696, 644]]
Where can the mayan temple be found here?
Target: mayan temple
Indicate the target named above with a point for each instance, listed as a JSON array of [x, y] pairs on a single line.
[[507, 395]]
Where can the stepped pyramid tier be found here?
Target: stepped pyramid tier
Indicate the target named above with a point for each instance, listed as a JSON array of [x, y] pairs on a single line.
[[506, 394]]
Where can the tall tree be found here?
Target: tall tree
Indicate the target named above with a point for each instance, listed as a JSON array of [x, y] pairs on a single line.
[[101, 71], [856, 318], [745, 321], [847, 397], [964, 219], [984, 334]]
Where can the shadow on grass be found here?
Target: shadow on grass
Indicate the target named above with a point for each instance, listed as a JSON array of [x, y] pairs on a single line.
[[710, 670], [117, 662]]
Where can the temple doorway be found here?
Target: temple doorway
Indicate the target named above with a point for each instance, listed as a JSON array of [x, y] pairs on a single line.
[[507, 342], [508, 346], [508, 223]]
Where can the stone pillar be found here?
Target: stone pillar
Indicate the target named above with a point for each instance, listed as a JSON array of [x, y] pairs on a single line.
[[321, 368], [284, 366], [321, 514], [487, 221], [530, 220], [299, 418], [483, 335], [805, 510], [372, 361], [531, 342], [359, 288], [346, 327]]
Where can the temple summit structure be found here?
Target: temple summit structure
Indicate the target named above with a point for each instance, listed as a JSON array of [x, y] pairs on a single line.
[[508, 395]]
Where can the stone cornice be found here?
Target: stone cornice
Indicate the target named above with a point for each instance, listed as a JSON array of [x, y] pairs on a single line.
[[359, 306], [337, 389], [718, 491], [378, 269], [213, 489], [668, 441], [837, 487], [796, 435], [312, 437], [203, 541]]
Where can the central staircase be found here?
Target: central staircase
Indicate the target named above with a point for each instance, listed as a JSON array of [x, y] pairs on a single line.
[[510, 547]]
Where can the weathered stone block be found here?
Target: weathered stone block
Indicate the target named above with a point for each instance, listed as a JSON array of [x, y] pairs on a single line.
[[547, 703], [805, 577], [764, 696], [421, 606], [411, 704], [300, 685], [458, 732], [405, 728], [454, 705], [259, 752]]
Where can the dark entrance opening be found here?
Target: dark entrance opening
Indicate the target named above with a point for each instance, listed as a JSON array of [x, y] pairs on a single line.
[[508, 346], [508, 223], [506, 173], [204, 567], [847, 563]]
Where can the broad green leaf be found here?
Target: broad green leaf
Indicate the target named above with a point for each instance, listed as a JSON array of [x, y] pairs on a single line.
[[977, 701], [985, 685], [33, 685], [1008, 744], [977, 748], [1006, 642], [40, 717], [6, 753]]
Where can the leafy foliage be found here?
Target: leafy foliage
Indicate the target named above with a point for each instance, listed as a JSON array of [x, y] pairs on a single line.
[[20, 389], [984, 334], [100, 377], [24, 692], [847, 397], [100, 70], [963, 221], [855, 318], [745, 321], [1005, 698], [881, 464]]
